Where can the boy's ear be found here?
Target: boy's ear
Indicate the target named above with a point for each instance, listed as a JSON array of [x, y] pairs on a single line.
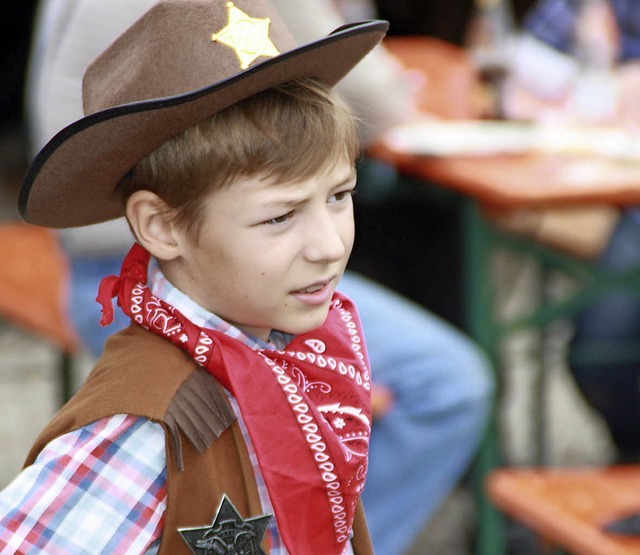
[[148, 217]]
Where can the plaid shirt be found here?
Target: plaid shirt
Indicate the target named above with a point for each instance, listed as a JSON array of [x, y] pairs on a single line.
[[102, 488], [552, 22]]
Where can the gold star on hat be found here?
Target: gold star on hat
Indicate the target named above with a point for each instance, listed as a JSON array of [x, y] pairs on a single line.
[[248, 36]]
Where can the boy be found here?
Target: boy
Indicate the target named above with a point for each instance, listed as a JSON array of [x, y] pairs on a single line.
[[233, 162]]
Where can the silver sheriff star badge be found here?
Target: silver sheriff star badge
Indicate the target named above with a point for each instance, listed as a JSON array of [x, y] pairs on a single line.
[[229, 533]]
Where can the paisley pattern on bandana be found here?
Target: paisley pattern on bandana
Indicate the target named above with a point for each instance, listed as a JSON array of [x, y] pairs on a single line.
[[307, 407]]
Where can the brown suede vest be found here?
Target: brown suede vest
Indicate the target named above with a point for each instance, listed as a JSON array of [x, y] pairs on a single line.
[[144, 375]]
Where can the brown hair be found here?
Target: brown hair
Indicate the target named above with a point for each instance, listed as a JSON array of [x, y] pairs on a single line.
[[286, 133]]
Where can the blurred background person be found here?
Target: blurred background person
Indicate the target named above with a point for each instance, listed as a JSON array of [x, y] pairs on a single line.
[[433, 386], [579, 62]]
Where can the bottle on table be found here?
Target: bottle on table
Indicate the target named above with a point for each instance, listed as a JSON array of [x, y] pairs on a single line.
[[488, 40]]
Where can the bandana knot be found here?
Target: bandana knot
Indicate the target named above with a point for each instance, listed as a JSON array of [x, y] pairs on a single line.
[[133, 270]]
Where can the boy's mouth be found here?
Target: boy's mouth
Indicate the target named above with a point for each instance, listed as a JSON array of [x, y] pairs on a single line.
[[315, 294], [312, 289], [318, 294]]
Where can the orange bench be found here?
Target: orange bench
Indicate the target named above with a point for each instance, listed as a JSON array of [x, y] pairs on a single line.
[[34, 279], [568, 507]]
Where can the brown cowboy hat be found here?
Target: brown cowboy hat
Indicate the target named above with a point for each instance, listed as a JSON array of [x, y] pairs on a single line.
[[181, 62]]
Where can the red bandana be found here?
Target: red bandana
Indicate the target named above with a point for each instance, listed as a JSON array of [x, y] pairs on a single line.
[[307, 408]]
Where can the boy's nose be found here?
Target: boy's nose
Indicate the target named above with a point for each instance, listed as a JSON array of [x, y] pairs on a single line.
[[325, 241]]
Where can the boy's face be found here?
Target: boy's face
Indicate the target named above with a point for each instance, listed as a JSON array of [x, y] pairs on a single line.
[[270, 256]]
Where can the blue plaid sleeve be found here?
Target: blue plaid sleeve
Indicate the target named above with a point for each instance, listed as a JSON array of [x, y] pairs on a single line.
[[100, 489]]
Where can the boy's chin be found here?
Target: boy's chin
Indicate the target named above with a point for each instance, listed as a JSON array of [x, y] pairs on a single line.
[[307, 325]]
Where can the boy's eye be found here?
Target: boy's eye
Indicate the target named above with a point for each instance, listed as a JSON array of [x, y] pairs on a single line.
[[279, 219], [341, 195]]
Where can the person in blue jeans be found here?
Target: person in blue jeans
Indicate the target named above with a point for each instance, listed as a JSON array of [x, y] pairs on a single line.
[[610, 327], [439, 383]]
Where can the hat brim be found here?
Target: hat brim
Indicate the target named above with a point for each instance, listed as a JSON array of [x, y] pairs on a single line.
[[71, 181]]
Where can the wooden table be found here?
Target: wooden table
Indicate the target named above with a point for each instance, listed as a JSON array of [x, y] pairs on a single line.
[[501, 181], [498, 185], [529, 180]]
